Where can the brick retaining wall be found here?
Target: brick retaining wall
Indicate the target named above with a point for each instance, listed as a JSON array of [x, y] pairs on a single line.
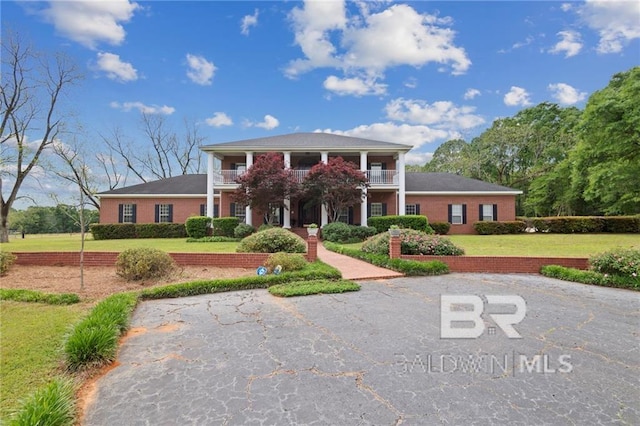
[[502, 264]]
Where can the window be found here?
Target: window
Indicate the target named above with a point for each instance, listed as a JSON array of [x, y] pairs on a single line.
[[238, 211], [376, 173], [376, 209], [343, 215], [164, 213], [274, 209], [412, 209], [241, 168], [488, 212], [127, 213], [457, 214]]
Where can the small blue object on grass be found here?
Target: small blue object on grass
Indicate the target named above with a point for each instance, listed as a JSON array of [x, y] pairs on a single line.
[[277, 270], [261, 270]]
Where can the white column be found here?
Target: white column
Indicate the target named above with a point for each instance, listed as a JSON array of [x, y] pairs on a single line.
[[401, 187], [249, 162], [286, 222], [363, 203], [210, 172], [324, 216]]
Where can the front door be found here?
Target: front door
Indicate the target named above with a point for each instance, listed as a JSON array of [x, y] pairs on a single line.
[[308, 213]]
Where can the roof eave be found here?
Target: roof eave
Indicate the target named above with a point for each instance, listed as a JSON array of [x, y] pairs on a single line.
[[154, 195], [463, 192]]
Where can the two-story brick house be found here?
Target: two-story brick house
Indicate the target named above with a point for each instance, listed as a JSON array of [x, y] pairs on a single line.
[[441, 197]]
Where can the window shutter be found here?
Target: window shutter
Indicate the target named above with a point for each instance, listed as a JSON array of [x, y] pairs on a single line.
[[134, 209], [157, 213], [384, 166], [368, 209], [232, 210], [282, 215], [233, 166], [464, 214], [170, 213], [384, 209], [120, 213], [480, 211], [203, 207], [216, 210], [450, 213], [495, 212], [418, 209], [350, 216]]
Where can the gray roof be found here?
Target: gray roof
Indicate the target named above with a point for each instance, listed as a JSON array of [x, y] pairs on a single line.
[[305, 142], [184, 185], [448, 182]]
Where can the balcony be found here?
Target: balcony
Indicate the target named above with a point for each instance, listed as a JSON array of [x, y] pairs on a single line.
[[377, 178]]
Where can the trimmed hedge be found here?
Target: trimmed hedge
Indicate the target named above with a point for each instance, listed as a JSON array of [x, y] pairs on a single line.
[[272, 240], [243, 230], [213, 240], [590, 277], [125, 231], [587, 224], [413, 242], [31, 296], [440, 228], [417, 222], [198, 226], [339, 232], [224, 226], [500, 228]]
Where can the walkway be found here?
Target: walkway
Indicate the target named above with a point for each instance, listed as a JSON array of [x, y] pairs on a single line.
[[354, 269]]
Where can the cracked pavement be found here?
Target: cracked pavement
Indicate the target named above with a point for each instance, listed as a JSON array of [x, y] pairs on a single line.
[[376, 357]]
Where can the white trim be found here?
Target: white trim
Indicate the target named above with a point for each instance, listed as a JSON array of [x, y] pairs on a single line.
[[463, 192], [156, 196]]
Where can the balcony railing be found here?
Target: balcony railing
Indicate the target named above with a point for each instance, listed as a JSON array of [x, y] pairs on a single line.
[[376, 177]]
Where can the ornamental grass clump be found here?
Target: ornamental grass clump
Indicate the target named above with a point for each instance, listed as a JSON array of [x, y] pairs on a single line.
[[413, 242]]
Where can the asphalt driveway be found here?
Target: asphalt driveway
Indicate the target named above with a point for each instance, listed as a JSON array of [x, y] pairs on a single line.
[[377, 357]]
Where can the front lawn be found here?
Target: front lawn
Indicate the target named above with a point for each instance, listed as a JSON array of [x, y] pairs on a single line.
[[560, 245]]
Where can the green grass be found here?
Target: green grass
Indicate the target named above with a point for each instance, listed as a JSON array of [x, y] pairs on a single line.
[[53, 405], [32, 358], [590, 277], [307, 288], [66, 242], [32, 296], [562, 245]]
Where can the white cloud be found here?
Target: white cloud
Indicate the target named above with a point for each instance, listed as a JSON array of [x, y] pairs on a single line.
[[145, 109], [219, 119], [517, 96], [249, 21], [354, 86], [269, 123], [90, 22], [115, 68], [411, 83], [471, 93], [570, 43], [617, 22], [200, 70], [566, 7], [415, 136], [372, 42], [441, 114], [418, 158], [565, 94]]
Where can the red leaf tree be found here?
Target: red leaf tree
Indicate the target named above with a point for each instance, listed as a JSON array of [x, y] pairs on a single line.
[[266, 184], [338, 185]]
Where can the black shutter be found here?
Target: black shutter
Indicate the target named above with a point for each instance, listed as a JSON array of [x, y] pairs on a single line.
[[495, 212], [203, 208], [450, 213], [233, 166], [134, 208], [282, 215], [350, 216], [216, 210], [384, 166], [384, 209], [464, 214], [157, 210], [232, 210], [418, 209], [480, 212], [368, 209], [170, 213], [120, 213]]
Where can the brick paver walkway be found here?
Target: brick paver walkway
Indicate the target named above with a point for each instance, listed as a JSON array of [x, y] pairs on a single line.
[[354, 269]]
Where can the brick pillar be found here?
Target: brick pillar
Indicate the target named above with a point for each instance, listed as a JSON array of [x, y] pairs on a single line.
[[394, 247], [312, 248]]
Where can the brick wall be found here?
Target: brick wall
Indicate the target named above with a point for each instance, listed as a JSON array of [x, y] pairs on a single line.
[[502, 265]]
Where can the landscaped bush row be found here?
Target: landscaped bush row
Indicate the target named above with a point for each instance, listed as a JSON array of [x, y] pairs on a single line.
[[440, 228], [407, 267], [94, 340], [224, 226], [120, 231], [417, 222], [52, 405], [198, 226], [306, 288], [413, 242], [339, 232], [213, 240], [6, 260], [586, 224], [590, 277], [31, 296], [499, 228]]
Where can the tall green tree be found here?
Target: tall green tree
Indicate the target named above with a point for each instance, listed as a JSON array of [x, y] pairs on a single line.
[[607, 160]]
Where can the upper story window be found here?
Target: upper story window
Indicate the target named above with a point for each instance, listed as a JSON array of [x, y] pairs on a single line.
[[375, 176]]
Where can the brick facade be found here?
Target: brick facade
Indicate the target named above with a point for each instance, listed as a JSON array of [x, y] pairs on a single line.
[[183, 208]]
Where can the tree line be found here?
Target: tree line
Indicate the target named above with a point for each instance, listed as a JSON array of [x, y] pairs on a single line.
[[60, 219], [566, 161]]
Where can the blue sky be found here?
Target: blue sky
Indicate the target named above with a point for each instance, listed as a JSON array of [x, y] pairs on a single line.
[[419, 73]]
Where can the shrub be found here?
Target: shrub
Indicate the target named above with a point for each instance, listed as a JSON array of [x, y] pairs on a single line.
[[622, 224], [440, 228], [53, 405], [20, 295], [307, 288], [417, 222], [120, 231], [288, 261], [587, 224], [590, 277], [224, 226], [499, 228], [198, 226], [113, 231], [213, 240], [339, 232], [272, 241], [265, 226], [622, 262], [143, 263], [6, 261], [413, 242], [243, 230]]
